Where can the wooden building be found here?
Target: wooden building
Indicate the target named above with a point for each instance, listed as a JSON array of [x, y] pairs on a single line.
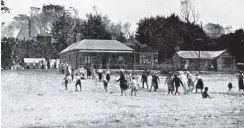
[[220, 60], [145, 56], [99, 53]]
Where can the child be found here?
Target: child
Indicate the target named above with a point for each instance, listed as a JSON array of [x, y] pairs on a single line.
[[155, 80], [144, 79], [205, 93], [177, 82], [78, 82], [133, 86], [199, 84], [169, 83], [230, 86], [105, 84], [66, 81]]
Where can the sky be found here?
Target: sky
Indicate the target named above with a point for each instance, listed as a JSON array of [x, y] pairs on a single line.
[[223, 12]]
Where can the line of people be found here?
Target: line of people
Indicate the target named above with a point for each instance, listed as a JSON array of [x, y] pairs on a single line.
[[173, 81]]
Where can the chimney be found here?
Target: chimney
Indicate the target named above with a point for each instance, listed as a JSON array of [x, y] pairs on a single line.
[[78, 37]]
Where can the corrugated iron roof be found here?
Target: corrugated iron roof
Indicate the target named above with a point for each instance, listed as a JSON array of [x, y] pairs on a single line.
[[103, 45], [203, 54]]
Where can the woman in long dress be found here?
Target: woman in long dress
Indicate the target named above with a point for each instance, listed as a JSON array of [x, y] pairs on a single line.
[[184, 80], [240, 78], [123, 83]]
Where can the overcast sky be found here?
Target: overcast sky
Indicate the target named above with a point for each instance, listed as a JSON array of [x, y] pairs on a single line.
[[224, 12]]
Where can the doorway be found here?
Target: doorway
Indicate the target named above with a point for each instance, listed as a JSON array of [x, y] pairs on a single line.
[[104, 62]]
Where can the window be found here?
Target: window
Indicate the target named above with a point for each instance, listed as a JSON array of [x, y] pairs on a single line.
[[203, 63], [226, 62]]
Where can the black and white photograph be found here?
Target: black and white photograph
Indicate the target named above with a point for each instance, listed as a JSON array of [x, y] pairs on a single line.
[[122, 64]]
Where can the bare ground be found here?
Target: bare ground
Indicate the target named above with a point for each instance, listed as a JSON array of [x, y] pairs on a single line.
[[37, 99]]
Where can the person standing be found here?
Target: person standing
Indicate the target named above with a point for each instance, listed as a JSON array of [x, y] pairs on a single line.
[[170, 85], [123, 83], [93, 72], [155, 81], [183, 79], [108, 76], [240, 78], [176, 81], [144, 79], [190, 81], [88, 71], [100, 74], [78, 82]]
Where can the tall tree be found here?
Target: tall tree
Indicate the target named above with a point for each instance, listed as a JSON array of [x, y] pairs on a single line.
[[188, 12], [94, 28], [61, 29]]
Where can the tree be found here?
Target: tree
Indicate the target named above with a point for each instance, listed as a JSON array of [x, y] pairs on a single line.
[[61, 29], [169, 34], [94, 28], [188, 12], [4, 9], [126, 29], [214, 30]]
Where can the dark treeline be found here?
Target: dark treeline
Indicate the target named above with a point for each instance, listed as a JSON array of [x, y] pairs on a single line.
[[170, 34]]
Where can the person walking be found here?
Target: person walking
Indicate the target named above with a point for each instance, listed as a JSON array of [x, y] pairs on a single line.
[[176, 81], [240, 78], [190, 82]]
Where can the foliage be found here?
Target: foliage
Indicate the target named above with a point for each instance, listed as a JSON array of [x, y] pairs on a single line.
[[6, 52], [169, 34], [94, 28], [4, 9], [214, 30]]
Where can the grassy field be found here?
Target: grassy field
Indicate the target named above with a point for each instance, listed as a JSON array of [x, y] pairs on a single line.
[[36, 98]]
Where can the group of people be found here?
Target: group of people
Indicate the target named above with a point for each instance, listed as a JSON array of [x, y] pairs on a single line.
[[173, 81]]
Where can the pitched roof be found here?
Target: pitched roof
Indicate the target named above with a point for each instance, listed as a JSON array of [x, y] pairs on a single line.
[[98, 45], [138, 47], [203, 54]]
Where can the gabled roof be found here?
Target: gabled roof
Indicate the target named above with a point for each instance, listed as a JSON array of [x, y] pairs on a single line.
[[203, 54], [97, 45], [138, 47]]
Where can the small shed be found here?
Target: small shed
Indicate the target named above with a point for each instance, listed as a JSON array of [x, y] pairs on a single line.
[[220, 60]]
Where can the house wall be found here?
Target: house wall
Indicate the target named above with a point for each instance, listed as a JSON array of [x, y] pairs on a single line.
[[77, 59], [193, 64], [146, 58], [225, 62]]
